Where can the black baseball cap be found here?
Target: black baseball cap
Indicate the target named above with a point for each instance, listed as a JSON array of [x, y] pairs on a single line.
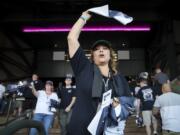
[[101, 42]]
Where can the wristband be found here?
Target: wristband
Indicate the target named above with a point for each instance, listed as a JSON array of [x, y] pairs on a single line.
[[83, 18]]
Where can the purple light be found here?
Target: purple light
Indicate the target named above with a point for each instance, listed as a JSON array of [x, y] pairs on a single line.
[[103, 28]]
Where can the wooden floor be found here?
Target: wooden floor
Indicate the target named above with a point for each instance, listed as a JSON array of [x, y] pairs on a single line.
[[131, 129]]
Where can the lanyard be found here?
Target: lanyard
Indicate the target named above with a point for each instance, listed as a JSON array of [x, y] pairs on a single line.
[[106, 83]]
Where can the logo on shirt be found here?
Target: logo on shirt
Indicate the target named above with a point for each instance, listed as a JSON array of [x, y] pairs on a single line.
[[147, 95], [69, 91]]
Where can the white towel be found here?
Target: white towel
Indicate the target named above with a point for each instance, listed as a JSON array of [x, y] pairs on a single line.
[[117, 15]]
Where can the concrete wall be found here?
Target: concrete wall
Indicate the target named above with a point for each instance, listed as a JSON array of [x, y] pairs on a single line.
[[49, 68]]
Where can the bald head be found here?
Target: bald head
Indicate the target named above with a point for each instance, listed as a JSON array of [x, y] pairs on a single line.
[[166, 88], [158, 70]]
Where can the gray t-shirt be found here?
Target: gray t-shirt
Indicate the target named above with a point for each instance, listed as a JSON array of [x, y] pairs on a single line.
[[169, 104], [161, 78]]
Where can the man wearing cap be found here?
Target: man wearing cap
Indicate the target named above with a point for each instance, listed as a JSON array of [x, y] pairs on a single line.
[[67, 96], [147, 97], [42, 111], [94, 79]]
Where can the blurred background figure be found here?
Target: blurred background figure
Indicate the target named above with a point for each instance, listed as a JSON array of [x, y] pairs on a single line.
[[139, 121], [38, 85], [43, 111], [168, 105], [67, 96], [18, 98], [160, 78], [147, 97], [175, 85], [2, 102]]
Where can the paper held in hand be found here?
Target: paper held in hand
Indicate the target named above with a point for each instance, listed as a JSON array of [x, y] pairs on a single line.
[[117, 15], [106, 101]]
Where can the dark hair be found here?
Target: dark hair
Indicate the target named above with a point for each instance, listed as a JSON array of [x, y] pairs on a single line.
[[143, 80]]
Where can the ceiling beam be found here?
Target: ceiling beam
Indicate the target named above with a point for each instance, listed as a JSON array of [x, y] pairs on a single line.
[[8, 72], [13, 62], [16, 45], [5, 49]]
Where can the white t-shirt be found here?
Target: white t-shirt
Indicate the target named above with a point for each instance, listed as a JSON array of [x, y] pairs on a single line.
[[137, 88], [169, 104], [117, 130], [2, 90], [43, 102]]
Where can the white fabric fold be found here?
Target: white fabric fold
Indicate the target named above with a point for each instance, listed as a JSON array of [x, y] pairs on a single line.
[[117, 15]]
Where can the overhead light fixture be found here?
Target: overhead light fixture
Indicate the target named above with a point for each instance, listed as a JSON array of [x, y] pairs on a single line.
[[88, 29]]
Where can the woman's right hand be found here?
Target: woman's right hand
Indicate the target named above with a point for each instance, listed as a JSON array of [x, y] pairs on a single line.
[[86, 15], [75, 31]]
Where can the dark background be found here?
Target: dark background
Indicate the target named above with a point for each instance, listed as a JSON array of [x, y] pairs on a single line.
[[22, 54]]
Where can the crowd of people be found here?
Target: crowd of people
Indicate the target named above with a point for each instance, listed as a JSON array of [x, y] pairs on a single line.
[[38, 96], [156, 103], [100, 87]]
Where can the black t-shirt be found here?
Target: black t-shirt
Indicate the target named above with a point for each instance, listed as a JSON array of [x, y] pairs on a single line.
[[83, 110], [66, 94], [38, 85], [147, 96], [107, 81]]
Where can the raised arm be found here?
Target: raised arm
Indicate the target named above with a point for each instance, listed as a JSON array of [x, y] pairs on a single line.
[[34, 91], [74, 33]]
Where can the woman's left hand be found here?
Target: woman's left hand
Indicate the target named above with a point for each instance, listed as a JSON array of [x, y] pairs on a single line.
[[115, 102], [68, 109]]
